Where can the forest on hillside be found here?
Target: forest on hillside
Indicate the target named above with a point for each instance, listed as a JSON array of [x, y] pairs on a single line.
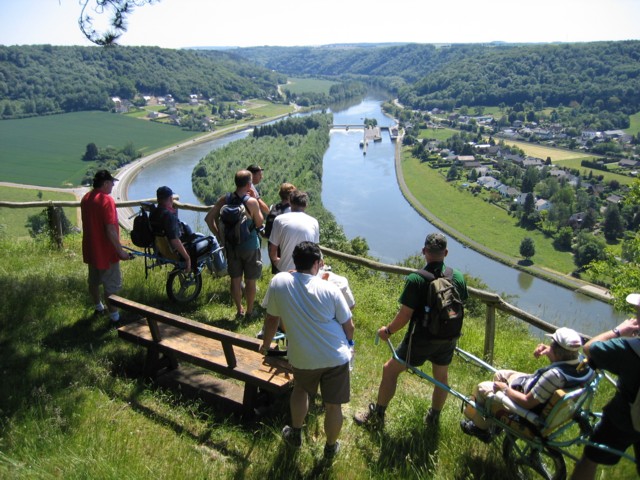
[[598, 75], [45, 79]]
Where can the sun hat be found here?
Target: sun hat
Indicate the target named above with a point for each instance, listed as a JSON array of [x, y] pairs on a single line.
[[567, 338]]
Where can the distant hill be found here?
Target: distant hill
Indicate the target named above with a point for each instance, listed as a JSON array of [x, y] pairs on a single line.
[[43, 79], [603, 75]]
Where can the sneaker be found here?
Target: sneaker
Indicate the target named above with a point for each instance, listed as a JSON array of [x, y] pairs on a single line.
[[432, 418], [97, 312], [291, 436], [371, 418], [470, 428], [260, 334], [251, 316], [330, 451]]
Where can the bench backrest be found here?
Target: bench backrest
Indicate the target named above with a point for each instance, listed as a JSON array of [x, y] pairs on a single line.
[[154, 315]]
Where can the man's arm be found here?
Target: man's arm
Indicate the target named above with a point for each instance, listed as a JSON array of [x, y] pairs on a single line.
[[401, 319], [112, 234], [211, 219], [524, 400], [273, 254], [270, 326], [179, 247], [349, 328], [256, 214], [628, 328]]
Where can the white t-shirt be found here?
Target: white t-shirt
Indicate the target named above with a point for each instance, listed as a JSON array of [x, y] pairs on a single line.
[[289, 229], [312, 311]]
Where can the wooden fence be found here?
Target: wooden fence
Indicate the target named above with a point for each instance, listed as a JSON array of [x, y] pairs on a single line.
[[492, 301]]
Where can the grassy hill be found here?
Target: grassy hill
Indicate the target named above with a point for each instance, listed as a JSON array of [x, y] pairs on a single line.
[[74, 403]]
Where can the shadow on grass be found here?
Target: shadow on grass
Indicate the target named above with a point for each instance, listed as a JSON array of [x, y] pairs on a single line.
[[525, 262]]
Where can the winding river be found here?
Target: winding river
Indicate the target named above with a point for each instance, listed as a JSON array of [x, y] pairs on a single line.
[[363, 194]]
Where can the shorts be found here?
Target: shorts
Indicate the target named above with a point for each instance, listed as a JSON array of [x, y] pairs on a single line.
[[111, 278], [606, 433], [335, 386], [438, 352], [247, 262]]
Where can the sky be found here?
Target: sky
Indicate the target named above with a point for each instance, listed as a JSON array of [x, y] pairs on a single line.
[[245, 23]]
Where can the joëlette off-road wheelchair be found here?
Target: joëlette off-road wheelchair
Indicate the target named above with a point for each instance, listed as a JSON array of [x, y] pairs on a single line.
[[535, 444], [205, 252]]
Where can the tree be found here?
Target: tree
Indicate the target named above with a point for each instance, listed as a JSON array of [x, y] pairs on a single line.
[[588, 249], [118, 11], [527, 248], [613, 227], [91, 152]]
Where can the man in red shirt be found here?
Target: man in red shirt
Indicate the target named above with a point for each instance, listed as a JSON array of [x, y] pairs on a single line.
[[101, 248]]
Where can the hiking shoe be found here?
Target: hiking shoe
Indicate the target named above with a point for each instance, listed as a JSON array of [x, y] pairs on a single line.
[[432, 418], [470, 428], [250, 316], [260, 334], [292, 436], [370, 418], [330, 451]]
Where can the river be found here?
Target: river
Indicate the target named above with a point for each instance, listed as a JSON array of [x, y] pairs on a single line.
[[363, 194]]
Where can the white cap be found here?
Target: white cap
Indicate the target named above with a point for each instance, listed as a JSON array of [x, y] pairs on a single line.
[[567, 338], [634, 299]]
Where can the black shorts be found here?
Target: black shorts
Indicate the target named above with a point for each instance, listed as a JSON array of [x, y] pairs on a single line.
[[606, 433], [438, 352]]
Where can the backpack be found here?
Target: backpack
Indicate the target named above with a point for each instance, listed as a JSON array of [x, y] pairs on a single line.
[[233, 223], [444, 310], [274, 211], [142, 234]]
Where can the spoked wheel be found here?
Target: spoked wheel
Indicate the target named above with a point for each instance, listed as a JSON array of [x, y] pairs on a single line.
[[530, 463], [183, 287]]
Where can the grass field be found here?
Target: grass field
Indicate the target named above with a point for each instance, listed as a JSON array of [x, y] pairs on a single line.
[[634, 124], [13, 220], [483, 222], [313, 85], [47, 151]]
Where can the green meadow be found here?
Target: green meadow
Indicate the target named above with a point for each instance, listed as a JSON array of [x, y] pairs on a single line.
[[48, 150], [313, 85]]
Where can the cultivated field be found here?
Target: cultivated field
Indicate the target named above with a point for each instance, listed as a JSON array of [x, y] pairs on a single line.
[[313, 85], [48, 150]]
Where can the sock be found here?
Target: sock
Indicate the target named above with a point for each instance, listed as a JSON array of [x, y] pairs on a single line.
[[115, 316]]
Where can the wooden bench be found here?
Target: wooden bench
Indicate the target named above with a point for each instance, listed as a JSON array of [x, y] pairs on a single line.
[[171, 338]]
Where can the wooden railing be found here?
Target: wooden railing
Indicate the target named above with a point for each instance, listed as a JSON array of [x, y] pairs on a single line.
[[492, 301]]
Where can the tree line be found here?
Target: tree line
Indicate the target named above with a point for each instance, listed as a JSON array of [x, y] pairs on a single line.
[[46, 79], [288, 156]]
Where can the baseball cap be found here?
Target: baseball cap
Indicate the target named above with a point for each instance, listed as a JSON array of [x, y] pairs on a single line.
[[103, 176], [435, 242], [567, 338], [164, 192], [254, 168], [634, 299]]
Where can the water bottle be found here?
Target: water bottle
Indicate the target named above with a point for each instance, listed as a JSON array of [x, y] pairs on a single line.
[[352, 351]]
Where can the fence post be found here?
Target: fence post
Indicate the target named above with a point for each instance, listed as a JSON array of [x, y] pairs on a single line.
[[55, 224], [489, 332]]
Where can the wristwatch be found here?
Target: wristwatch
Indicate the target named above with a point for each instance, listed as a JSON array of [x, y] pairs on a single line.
[[616, 332]]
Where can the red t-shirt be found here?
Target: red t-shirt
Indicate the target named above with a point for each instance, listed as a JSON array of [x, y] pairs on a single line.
[[98, 210]]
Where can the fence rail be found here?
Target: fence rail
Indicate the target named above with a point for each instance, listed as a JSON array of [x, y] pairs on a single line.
[[492, 301]]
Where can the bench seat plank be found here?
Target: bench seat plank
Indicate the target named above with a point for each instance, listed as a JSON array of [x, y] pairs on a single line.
[[252, 367]]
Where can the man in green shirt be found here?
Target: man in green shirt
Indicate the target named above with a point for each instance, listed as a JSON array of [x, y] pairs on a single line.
[[419, 344]]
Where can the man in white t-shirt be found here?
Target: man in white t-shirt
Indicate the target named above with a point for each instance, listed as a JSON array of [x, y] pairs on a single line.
[[320, 331], [289, 229]]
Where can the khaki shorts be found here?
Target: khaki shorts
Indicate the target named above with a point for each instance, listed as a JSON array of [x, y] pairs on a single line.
[[334, 383], [247, 262], [110, 278]]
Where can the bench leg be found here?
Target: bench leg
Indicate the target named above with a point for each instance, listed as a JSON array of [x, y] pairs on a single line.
[[154, 362], [250, 398]]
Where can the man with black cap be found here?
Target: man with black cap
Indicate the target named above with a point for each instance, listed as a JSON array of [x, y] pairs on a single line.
[[256, 178], [164, 219], [618, 351], [419, 345], [101, 247]]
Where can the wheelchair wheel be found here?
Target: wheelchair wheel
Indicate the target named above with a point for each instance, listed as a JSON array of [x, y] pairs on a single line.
[[529, 462], [183, 287]]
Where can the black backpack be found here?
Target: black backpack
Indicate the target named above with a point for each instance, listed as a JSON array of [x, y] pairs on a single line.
[[233, 223], [274, 211], [142, 234], [444, 310]]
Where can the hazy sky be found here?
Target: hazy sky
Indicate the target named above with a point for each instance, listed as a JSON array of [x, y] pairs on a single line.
[[186, 23]]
